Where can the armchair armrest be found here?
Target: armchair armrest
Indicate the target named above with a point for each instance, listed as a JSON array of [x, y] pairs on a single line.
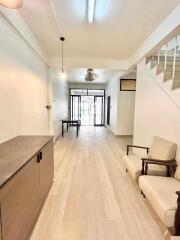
[[135, 146], [177, 216], [167, 163], [159, 162]]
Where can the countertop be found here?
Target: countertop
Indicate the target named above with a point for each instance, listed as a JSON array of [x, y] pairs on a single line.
[[15, 153]]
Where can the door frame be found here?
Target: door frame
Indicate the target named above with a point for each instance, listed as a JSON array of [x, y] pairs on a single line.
[[108, 120], [102, 111], [103, 96]]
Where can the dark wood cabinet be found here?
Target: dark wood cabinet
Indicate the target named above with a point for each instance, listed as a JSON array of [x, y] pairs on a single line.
[[23, 193]]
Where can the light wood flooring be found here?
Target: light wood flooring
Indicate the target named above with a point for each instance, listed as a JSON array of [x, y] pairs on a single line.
[[92, 198]]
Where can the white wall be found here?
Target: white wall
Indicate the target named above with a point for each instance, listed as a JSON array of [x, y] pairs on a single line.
[[112, 90], [155, 112], [126, 108], [23, 87], [58, 100], [122, 107]]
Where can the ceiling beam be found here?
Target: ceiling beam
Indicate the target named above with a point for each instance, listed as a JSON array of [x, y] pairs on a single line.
[[71, 63]]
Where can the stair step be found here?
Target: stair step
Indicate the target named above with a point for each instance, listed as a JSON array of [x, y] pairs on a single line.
[[148, 59], [168, 75], [154, 63], [162, 58], [169, 68], [176, 83], [169, 63], [158, 60]]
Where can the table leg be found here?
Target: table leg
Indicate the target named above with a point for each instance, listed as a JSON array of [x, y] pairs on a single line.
[[77, 130], [62, 129], [67, 126]]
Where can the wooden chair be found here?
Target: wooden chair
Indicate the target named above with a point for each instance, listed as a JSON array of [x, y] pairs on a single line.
[[160, 159]]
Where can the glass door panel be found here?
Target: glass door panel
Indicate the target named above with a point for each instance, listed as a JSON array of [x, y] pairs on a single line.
[[99, 111], [75, 107], [87, 110]]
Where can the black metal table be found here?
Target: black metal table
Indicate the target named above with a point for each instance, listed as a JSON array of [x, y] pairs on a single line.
[[76, 123]]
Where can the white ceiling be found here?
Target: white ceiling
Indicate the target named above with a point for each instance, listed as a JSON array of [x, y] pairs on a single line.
[[120, 27], [78, 75]]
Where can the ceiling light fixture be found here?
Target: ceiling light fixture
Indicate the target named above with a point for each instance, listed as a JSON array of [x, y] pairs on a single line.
[[62, 53], [90, 76], [11, 3], [91, 10]]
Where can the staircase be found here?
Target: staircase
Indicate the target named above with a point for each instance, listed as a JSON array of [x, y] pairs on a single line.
[[164, 68], [166, 62]]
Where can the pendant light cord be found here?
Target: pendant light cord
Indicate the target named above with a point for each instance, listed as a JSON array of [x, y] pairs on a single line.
[[62, 57], [62, 45]]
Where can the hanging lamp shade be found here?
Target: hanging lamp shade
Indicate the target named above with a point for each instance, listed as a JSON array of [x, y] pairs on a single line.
[[14, 4], [90, 76]]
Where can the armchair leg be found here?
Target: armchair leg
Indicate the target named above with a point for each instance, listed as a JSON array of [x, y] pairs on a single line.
[[143, 194], [142, 171], [168, 171], [146, 169]]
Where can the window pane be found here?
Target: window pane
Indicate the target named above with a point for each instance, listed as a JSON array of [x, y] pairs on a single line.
[[79, 92], [128, 85], [96, 92]]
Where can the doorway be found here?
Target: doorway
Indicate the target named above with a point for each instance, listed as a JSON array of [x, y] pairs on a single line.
[[87, 107]]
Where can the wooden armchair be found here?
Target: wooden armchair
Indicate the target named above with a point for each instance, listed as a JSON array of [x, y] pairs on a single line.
[[159, 160]]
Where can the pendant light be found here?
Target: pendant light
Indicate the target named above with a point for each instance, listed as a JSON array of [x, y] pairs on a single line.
[[62, 53], [14, 4]]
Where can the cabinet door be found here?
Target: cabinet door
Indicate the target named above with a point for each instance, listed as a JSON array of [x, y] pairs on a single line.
[[20, 202], [46, 169]]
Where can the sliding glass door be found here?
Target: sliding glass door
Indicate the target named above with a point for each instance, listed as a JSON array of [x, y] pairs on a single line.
[[98, 110], [75, 107], [87, 106]]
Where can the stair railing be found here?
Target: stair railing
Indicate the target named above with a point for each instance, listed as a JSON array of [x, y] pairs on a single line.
[[166, 60]]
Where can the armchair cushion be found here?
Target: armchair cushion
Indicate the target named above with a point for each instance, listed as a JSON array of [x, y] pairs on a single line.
[[161, 193], [134, 166], [162, 149]]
